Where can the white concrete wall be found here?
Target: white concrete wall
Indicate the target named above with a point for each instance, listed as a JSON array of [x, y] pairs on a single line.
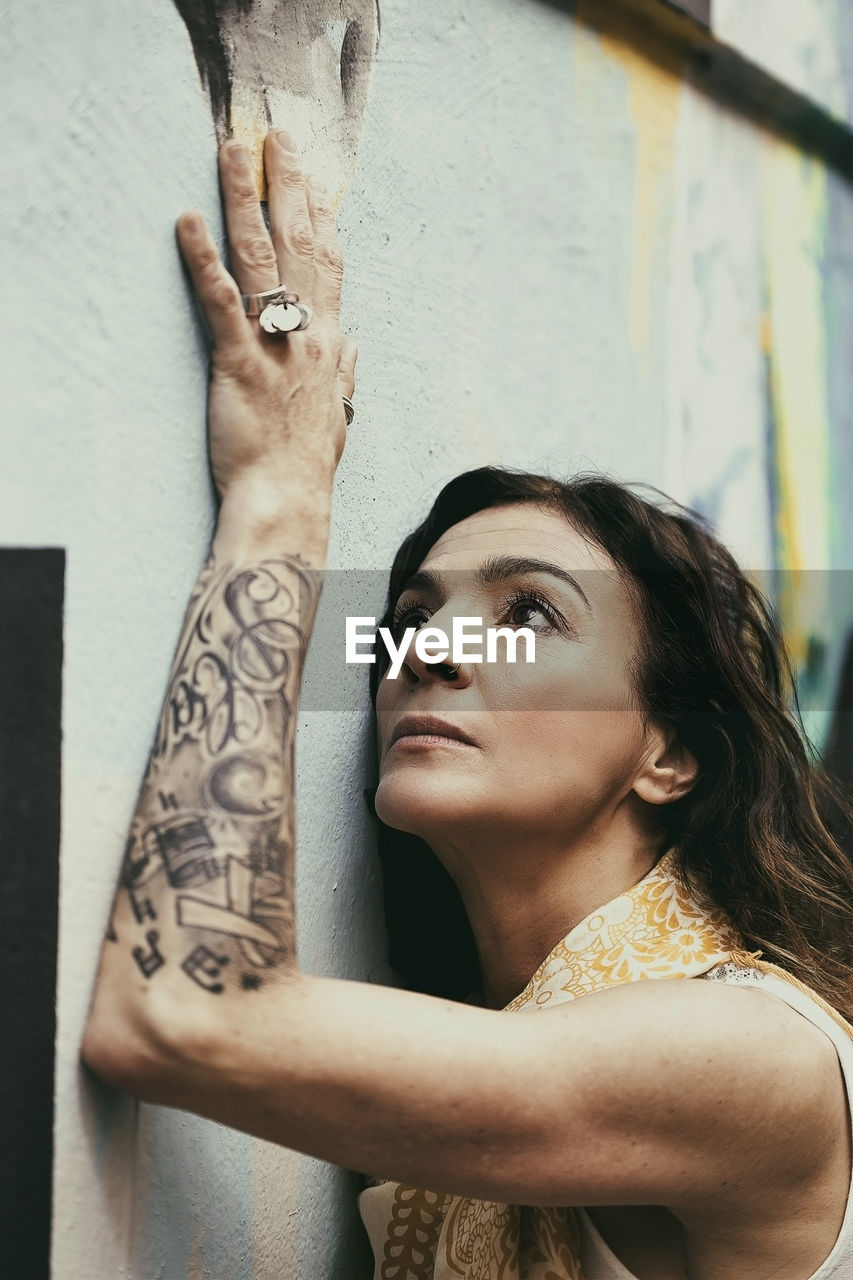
[[557, 256]]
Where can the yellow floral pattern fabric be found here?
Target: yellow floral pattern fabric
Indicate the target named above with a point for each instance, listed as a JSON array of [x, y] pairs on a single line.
[[657, 929]]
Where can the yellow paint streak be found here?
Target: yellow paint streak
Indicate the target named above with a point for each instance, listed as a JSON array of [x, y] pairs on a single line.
[[794, 216], [249, 126], [765, 333], [653, 72]]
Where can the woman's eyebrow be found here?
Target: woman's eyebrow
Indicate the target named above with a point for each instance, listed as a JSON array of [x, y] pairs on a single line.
[[499, 568], [423, 580], [495, 569]]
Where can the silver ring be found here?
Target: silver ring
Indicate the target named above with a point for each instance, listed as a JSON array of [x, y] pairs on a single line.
[[255, 303], [284, 317], [349, 409]]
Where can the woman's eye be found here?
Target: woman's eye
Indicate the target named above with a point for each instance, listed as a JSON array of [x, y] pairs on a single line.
[[527, 607], [411, 616], [524, 605]]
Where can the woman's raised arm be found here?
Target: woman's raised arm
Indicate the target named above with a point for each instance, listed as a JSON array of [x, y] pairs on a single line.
[[204, 904]]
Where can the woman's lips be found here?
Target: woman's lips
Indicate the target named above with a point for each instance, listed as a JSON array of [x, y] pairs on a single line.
[[424, 741], [424, 731]]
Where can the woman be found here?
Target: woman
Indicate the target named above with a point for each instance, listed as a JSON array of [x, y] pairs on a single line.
[[633, 804]]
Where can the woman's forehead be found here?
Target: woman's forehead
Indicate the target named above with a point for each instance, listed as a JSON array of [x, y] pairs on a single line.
[[517, 529]]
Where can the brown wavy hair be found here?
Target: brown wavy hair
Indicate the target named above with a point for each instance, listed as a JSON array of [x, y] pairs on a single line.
[[759, 832]]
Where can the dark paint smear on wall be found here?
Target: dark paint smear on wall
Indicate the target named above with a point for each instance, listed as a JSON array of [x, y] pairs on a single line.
[[205, 21], [31, 605], [215, 27]]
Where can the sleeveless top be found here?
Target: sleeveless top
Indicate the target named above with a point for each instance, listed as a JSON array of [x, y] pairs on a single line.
[[659, 928], [599, 1261]]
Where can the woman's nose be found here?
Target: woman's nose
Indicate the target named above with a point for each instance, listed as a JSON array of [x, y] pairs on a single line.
[[417, 668]]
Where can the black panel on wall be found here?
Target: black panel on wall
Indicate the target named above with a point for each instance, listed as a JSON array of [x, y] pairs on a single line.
[[31, 603]]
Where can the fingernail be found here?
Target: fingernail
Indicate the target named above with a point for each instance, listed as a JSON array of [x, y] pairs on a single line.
[[238, 154], [286, 142]]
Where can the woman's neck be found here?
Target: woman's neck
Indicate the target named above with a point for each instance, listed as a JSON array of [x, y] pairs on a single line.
[[522, 899]]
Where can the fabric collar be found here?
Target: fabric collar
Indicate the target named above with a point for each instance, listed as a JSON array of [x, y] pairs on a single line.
[[657, 929]]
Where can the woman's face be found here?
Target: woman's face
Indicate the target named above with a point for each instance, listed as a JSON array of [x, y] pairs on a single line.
[[554, 745]]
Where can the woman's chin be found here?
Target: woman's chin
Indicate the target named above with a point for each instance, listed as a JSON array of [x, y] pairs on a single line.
[[419, 804]]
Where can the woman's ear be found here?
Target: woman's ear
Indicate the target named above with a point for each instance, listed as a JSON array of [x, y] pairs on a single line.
[[669, 770]]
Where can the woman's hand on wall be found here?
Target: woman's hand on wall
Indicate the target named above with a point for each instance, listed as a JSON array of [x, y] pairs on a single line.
[[276, 413]]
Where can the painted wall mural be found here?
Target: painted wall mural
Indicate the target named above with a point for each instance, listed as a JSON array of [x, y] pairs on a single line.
[[304, 65]]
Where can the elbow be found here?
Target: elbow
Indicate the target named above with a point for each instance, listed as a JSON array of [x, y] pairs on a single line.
[[117, 1055], [105, 1052], [128, 1053]]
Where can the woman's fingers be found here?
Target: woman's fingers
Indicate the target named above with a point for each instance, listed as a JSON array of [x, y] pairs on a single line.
[[253, 259], [291, 223], [217, 292], [303, 253], [346, 366], [328, 263]]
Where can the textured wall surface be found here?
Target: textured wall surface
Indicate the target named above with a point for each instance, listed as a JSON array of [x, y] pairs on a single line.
[[559, 255]]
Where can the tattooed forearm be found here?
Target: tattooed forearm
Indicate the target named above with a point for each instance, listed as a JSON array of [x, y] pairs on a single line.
[[206, 885], [222, 697]]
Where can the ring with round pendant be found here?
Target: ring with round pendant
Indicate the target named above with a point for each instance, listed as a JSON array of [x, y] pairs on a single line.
[[284, 317]]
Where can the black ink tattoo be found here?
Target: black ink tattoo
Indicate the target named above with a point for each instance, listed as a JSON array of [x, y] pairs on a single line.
[[245, 785], [205, 967], [227, 694], [151, 960], [206, 870], [267, 851], [225, 730], [136, 863], [262, 653], [143, 909], [184, 844], [247, 918]]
